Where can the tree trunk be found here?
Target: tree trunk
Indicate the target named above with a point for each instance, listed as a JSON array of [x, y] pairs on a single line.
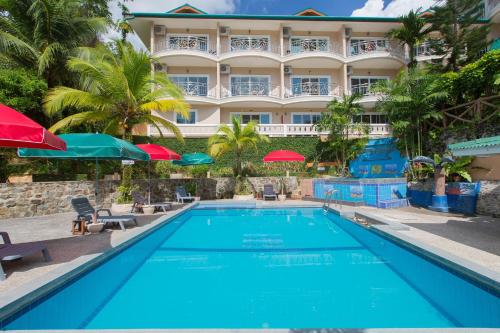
[[439, 181], [238, 163]]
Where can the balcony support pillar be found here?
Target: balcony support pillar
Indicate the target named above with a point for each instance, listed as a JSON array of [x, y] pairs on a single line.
[[282, 80], [282, 53], [217, 84], [152, 38], [346, 79], [218, 40]]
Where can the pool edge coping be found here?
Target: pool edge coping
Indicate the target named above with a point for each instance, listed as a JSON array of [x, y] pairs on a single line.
[[463, 267], [21, 296]]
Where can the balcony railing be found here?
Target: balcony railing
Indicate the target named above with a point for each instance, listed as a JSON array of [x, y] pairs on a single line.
[[274, 130], [313, 89], [298, 46], [251, 89], [189, 43], [424, 50], [374, 46], [364, 89], [242, 44], [196, 89]]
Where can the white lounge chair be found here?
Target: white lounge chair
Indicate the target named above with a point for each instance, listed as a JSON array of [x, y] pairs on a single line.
[[182, 196]]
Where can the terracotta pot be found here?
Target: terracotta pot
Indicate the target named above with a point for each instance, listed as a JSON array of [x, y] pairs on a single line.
[[281, 197]]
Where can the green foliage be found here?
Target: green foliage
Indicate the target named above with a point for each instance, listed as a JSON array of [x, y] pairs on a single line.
[[41, 34], [23, 91], [338, 122], [411, 102], [191, 188], [237, 140], [459, 167], [243, 186], [461, 39], [116, 90], [126, 188], [199, 171], [411, 33]]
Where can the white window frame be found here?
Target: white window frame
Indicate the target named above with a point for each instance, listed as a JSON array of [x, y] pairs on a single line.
[[167, 37], [195, 117], [249, 75], [329, 77], [231, 114], [380, 77], [308, 37], [365, 38], [368, 113], [250, 36], [303, 113], [194, 75]]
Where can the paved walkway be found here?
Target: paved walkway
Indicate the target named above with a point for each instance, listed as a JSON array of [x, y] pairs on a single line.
[[474, 238]]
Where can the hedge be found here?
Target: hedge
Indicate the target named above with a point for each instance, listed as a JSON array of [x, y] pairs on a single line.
[[302, 145]]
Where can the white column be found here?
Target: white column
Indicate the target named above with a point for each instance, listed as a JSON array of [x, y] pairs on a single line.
[[218, 40], [344, 42], [346, 79], [282, 80], [282, 52], [217, 85], [152, 37]]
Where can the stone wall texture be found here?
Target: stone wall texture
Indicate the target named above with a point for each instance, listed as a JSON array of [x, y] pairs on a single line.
[[488, 202], [35, 199]]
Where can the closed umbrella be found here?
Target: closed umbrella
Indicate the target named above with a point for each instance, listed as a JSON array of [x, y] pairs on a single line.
[[88, 146], [19, 131], [194, 159], [157, 153], [283, 156]]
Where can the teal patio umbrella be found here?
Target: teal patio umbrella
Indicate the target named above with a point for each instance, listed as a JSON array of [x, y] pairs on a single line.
[[89, 146], [194, 159]]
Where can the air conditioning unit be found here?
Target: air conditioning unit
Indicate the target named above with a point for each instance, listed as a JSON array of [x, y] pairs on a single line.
[[160, 30], [225, 69], [224, 31], [160, 67], [348, 32], [288, 70], [287, 32], [349, 70]]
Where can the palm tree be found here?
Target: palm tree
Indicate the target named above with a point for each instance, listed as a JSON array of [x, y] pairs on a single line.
[[118, 90], [412, 33], [338, 121], [41, 34], [236, 139]]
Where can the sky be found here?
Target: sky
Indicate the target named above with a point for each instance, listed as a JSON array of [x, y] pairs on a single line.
[[385, 8], [374, 8]]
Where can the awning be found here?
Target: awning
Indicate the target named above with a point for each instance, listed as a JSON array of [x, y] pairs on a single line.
[[480, 147]]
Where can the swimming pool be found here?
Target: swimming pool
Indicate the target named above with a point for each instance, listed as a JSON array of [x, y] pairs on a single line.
[[255, 268]]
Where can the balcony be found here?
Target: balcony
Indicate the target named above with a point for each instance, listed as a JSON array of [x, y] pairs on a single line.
[[366, 54], [240, 51], [184, 50], [369, 98], [304, 53], [272, 130], [313, 89], [197, 92]]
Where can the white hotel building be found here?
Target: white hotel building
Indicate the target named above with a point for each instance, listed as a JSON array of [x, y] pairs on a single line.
[[278, 70]]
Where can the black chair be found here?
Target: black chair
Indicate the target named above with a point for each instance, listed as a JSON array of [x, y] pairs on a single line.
[[85, 211]]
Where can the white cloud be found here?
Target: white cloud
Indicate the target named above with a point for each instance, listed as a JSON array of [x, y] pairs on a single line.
[[374, 8], [161, 6]]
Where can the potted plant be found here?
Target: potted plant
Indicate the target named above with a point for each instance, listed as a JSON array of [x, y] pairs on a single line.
[[148, 210], [243, 189]]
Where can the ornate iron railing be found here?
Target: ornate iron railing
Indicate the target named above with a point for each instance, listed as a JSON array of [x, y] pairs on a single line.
[[251, 89], [195, 89], [239, 44], [186, 42], [314, 89], [302, 45], [424, 50], [374, 46]]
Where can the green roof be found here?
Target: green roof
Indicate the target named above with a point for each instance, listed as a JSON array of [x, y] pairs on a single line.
[[479, 147], [267, 17], [186, 5]]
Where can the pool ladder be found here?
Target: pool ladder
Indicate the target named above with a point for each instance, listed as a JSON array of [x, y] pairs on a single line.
[[330, 197]]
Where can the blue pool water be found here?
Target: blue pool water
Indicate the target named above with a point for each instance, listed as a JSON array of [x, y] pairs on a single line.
[[254, 268]]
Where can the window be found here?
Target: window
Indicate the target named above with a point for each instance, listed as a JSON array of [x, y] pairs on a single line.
[[249, 85], [192, 85], [187, 42], [192, 118], [244, 43], [362, 85], [305, 118], [260, 118], [310, 86], [305, 44]]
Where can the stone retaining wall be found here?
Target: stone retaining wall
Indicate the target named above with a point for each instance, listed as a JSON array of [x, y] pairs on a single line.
[[488, 202], [35, 199]]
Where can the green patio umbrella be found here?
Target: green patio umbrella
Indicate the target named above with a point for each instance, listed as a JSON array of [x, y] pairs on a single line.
[[89, 146], [194, 159]]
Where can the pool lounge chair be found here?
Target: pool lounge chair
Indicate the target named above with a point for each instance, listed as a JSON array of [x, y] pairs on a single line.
[[85, 211], [9, 251], [182, 196], [269, 192], [140, 201]]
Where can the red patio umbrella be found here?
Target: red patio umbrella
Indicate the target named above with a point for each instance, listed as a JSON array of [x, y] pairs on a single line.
[[283, 156], [157, 153], [19, 131]]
